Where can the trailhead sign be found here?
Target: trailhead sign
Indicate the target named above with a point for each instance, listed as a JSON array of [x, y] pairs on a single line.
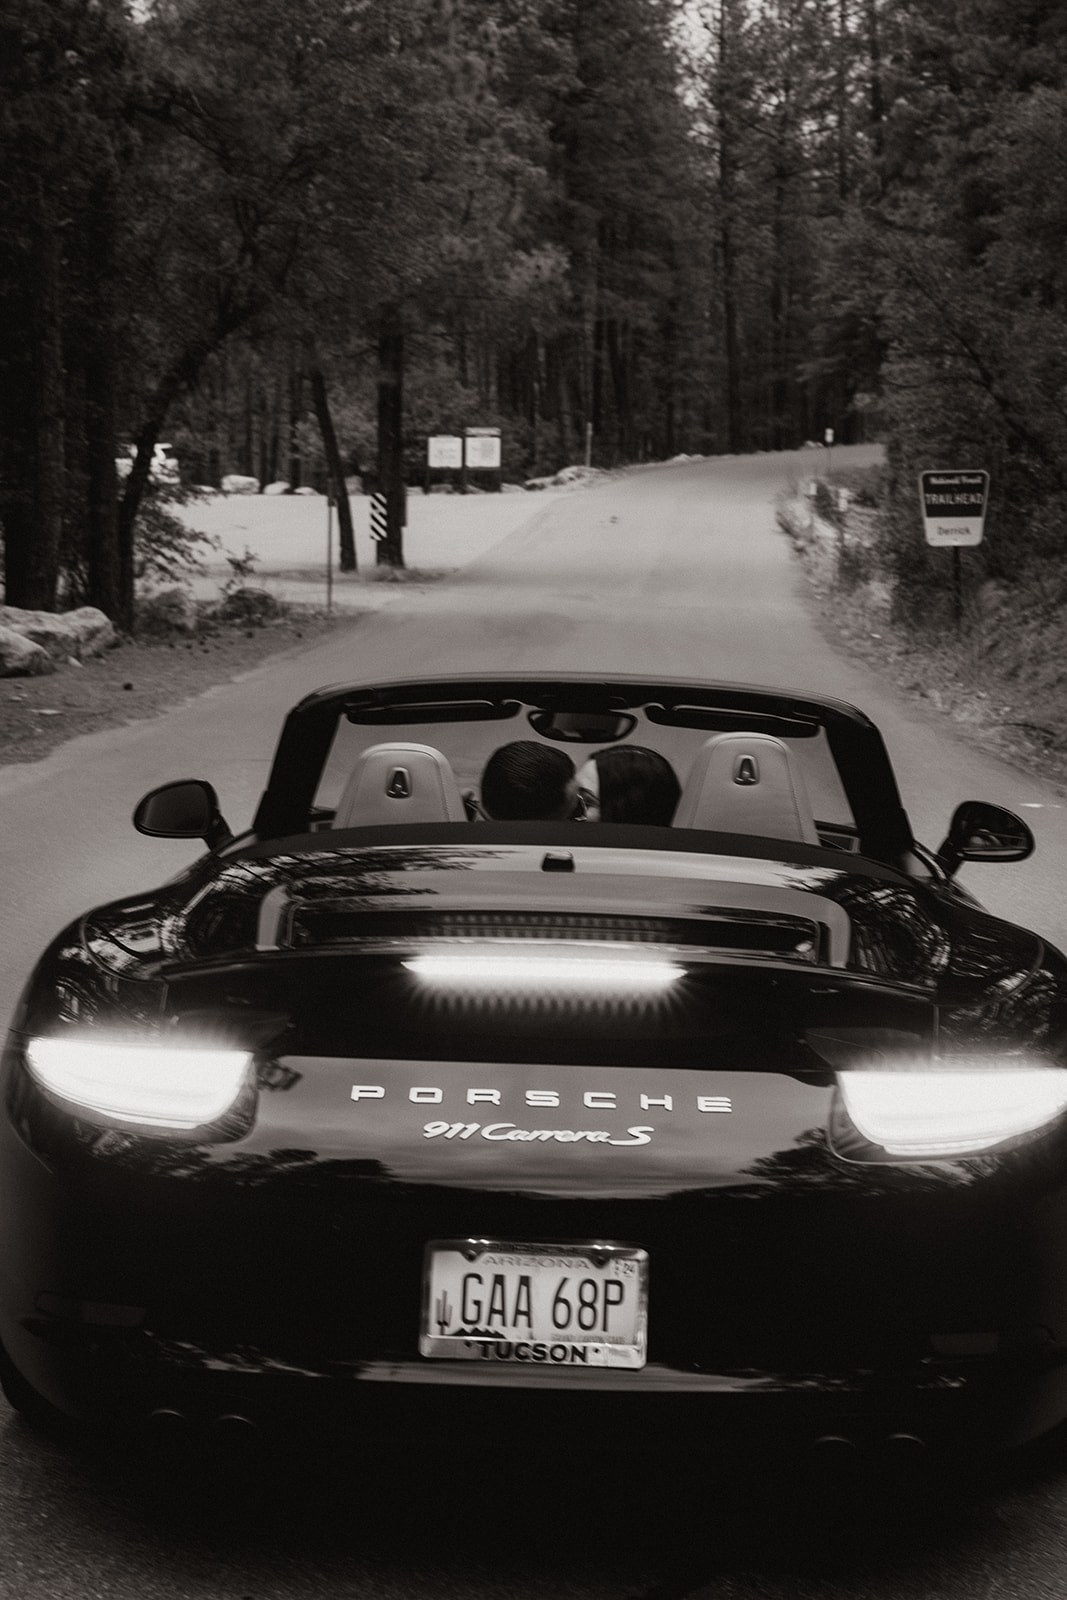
[[954, 505]]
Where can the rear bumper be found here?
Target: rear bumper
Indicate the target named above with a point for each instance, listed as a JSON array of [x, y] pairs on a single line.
[[273, 1282], [125, 1377]]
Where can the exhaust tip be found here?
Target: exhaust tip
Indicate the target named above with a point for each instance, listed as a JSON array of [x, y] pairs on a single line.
[[833, 1447], [906, 1446], [232, 1425], [166, 1421]]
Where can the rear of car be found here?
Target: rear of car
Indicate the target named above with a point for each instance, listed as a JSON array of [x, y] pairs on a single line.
[[518, 1117]]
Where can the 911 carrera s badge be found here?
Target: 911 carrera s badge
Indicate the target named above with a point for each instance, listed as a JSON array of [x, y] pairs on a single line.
[[509, 1133]]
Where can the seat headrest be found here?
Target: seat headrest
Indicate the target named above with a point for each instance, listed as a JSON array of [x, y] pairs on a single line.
[[747, 783], [400, 783]]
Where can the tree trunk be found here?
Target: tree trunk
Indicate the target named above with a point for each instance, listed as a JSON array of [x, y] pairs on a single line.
[[841, 98], [620, 382], [334, 466], [876, 96], [17, 456], [103, 487], [247, 455], [32, 495], [727, 242], [178, 380], [296, 414], [780, 310], [391, 434]]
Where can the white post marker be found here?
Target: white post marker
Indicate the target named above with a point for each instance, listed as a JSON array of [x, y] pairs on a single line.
[[954, 506]]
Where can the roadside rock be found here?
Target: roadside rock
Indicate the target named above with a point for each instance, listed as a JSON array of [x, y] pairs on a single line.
[[237, 483], [565, 477], [83, 632], [249, 605], [281, 487], [21, 658], [167, 611]]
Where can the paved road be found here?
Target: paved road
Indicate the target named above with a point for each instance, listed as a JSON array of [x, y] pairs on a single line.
[[672, 570]]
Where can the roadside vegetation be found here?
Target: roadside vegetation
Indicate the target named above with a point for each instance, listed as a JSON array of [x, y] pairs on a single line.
[[293, 241], [997, 670]]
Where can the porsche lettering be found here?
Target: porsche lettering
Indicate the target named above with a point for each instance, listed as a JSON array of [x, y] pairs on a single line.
[[544, 1099]]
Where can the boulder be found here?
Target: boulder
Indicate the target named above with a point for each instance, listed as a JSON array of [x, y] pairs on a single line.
[[84, 632], [21, 658], [237, 483], [167, 611], [305, 489], [281, 487], [254, 606]]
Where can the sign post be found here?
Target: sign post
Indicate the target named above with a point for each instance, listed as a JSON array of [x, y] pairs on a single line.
[[954, 507], [329, 551]]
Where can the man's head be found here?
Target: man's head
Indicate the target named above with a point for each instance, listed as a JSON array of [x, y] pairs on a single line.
[[526, 781]]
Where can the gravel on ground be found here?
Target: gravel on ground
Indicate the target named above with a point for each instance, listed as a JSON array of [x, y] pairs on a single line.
[[143, 677]]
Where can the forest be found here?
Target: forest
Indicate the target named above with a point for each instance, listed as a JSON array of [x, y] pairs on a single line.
[[293, 238]]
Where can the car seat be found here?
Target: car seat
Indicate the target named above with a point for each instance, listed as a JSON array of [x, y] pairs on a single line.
[[747, 783], [400, 783]]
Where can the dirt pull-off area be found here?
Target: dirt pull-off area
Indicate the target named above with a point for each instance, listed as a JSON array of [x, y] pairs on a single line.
[[143, 677]]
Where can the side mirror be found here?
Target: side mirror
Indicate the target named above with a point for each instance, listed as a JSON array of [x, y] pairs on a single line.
[[185, 810], [981, 832]]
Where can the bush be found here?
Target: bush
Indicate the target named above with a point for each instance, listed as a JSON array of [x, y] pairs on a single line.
[[165, 549], [825, 504], [866, 485]]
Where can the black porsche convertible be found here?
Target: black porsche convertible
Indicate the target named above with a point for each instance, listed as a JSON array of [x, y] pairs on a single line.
[[750, 1110]]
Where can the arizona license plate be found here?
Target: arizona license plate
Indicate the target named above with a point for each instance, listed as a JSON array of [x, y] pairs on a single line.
[[582, 1305]]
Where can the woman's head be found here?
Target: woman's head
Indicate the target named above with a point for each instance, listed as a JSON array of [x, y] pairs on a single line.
[[629, 783]]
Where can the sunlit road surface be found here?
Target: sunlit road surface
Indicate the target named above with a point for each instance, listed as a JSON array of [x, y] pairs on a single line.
[[665, 570]]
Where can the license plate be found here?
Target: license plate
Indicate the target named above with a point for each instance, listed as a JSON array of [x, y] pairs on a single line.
[[581, 1305]]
